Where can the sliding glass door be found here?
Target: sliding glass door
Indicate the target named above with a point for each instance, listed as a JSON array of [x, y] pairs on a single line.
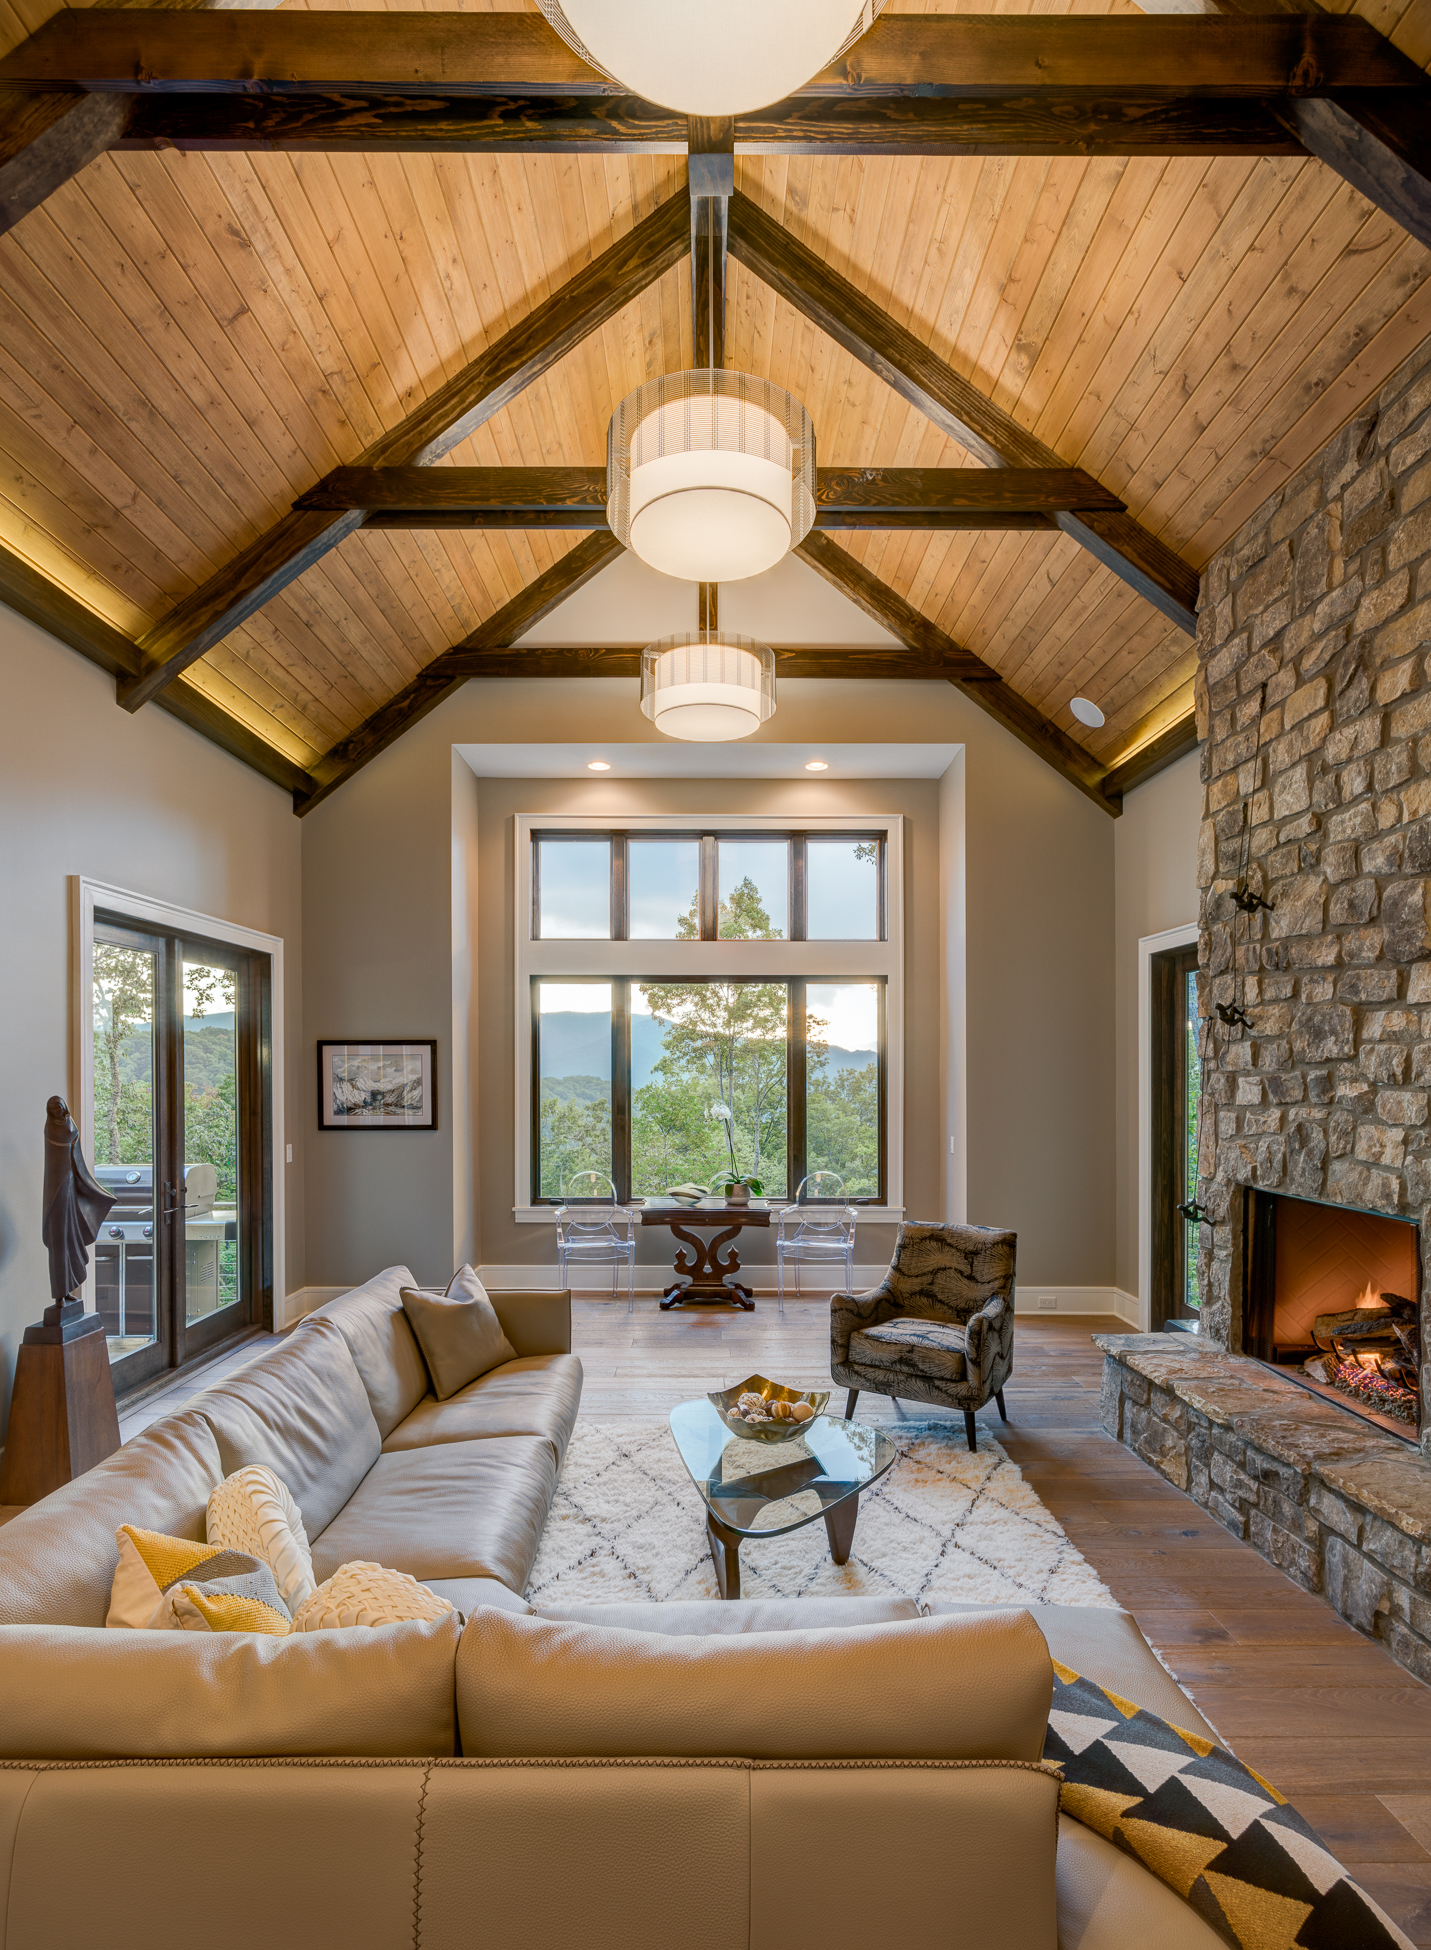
[[181, 1117]]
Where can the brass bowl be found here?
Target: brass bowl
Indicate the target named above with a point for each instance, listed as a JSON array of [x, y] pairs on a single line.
[[756, 1384]]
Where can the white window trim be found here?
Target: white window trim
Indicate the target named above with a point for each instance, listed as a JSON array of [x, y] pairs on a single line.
[[85, 897], [676, 960]]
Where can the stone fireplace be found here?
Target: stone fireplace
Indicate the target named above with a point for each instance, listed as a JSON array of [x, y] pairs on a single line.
[[1333, 1299], [1284, 1414]]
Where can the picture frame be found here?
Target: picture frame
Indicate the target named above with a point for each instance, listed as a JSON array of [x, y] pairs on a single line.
[[378, 1084]]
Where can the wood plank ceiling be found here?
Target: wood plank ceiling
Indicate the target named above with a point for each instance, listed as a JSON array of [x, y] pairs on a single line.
[[188, 342]]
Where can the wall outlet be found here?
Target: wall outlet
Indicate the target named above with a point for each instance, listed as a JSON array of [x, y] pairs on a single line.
[[288, 1148], [1048, 1303], [952, 1143]]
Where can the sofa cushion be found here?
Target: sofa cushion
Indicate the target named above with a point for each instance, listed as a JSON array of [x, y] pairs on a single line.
[[459, 1333], [536, 1396], [367, 1594], [1105, 1645], [302, 1410], [460, 1510], [924, 1689], [384, 1350], [468, 1593], [78, 1695], [929, 1347], [57, 1559], [253, 1510], [726, 1616]]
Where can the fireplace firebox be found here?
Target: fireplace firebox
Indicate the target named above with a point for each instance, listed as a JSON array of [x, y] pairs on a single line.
[[1333, 1301]]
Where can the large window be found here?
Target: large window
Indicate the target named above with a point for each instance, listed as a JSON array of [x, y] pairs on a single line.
[[697, 1000]]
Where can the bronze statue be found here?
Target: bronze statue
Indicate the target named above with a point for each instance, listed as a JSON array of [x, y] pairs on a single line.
[[76, 1204]]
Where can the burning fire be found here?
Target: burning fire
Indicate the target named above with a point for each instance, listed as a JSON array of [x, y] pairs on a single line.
[[1368, 1297]]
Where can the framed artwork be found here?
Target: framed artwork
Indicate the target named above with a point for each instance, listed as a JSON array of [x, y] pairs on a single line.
[[377, 1086]]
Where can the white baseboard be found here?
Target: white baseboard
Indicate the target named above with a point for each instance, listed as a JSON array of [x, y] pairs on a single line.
[[302, 1301], [1079, 1300]]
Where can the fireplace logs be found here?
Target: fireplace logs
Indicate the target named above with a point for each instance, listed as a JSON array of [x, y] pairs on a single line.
[[1372, 1353]]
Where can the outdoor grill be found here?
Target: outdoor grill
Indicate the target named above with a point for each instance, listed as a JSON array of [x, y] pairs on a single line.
[[124, 1250]]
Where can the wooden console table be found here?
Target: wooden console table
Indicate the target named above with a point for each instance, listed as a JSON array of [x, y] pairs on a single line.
[[703, 1278]]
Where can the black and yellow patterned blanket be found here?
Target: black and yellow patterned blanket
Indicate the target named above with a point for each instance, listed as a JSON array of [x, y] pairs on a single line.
[[1207, 1826]]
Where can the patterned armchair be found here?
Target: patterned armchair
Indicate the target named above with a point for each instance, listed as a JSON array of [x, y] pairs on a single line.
[[938, 1328]]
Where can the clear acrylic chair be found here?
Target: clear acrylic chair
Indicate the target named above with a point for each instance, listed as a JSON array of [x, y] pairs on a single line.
[[817, 1230], [593, 1230]]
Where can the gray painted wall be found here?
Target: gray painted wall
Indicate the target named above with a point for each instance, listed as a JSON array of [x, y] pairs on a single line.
[[144, 804], [381, 861]]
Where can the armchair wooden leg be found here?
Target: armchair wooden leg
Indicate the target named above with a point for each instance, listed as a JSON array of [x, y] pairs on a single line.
[[850, 1401], [970, 1431], [999, 1398]]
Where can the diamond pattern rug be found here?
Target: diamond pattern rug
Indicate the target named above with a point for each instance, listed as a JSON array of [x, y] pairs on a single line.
[[627, 1523]]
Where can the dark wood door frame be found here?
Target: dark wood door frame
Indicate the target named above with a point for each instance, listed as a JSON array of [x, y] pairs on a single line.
[[1168, 972]]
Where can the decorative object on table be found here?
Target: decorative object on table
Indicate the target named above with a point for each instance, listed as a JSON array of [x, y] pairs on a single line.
[[63, 1418], [627, 1521], [762, 1411], [703, 1277], [685, 1194], [593, 1230], [378, 1086], [1230, 1845], [818, 1229], [747, 1494], [737, 1191], [938, 1328]]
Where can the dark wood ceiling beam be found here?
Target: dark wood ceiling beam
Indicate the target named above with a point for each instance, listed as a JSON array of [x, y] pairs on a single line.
[[1175, 742], [710, 179], [25, 590], [447, 673], [893, 125], [919, 376], [917, 633], [303, 537], [966, 498], [138, 51], [45, 139]]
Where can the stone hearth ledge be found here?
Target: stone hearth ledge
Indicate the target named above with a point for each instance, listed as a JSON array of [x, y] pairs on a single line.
[[1326, 1497]]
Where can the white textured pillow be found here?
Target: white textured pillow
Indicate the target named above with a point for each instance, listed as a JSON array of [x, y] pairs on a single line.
[[252, 1511], [366, 1594]]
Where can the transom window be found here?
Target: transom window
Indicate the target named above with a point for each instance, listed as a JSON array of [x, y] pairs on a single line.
[[625, 886], [703, 997]]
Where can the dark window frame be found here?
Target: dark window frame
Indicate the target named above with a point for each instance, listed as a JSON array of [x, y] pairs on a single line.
[[796, 1071], [1169, 971], [796, 838]]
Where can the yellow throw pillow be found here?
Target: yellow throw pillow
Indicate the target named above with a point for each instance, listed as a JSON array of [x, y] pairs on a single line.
[[193, 1609], [253, 1511], [151, 1563], [366, 1594]]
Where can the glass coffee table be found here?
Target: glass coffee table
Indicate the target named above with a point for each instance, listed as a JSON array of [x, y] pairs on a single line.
[[765, 1489]]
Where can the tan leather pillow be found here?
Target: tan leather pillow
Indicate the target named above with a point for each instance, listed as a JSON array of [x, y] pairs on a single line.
[[75, 1694], [460, 1334], [975, 1688]]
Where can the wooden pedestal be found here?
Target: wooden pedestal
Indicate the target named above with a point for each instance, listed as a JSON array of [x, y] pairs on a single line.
[[62, 1416]]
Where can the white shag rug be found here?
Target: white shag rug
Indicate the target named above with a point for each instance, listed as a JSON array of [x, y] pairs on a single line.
[[627, 1523]]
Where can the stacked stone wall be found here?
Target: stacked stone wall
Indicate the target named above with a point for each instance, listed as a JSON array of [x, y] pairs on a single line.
[[1314, 701]]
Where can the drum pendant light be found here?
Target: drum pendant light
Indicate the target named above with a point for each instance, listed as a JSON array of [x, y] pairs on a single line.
[[710, 57], [710, 475], [707, 685]]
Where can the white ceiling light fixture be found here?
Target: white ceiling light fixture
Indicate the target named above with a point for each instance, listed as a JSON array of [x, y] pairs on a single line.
[[707, 685], [817, 765], [598, 765], [1087, 712], [710, 475], [711, 57]]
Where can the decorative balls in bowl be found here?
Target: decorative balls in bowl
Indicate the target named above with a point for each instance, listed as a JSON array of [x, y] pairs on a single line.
[[762, 1411]]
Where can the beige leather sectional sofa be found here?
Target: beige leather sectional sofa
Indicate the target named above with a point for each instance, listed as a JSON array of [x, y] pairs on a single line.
[[683, 1776]]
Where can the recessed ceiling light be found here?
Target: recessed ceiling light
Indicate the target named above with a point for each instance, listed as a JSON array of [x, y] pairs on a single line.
[[817, 765], [601, 764], [1086, 712]]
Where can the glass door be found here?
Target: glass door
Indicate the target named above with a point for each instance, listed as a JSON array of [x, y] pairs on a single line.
[[1177, 1086], [181, 1117]]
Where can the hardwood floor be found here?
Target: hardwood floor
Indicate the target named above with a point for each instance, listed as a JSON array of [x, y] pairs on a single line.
[[1326, 1715]]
